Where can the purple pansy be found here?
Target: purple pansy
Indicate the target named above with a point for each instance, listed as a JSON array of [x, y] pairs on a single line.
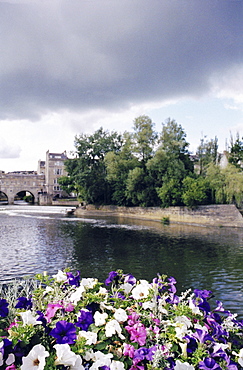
[[130, 279], [24, 303], [73, 280], [3, 307], [202, 336], [209, 364], [64, 332], [6, 349], [85, 319], [143, 353], [112, 275]]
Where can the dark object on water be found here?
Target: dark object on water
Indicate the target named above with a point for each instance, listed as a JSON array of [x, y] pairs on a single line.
[[70, 212]]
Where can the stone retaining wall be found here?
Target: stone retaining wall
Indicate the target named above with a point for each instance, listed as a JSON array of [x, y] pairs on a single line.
[[212, 215]]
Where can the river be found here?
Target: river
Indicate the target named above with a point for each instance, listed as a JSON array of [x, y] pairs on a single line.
[[35, 239]]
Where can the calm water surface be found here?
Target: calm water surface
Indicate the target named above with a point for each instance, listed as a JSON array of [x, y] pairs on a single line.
[[36, 239]]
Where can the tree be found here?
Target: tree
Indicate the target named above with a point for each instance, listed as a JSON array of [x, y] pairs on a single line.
[[216, 180], [236, 151], [233, 177], [207, 152], [118, 165], [226, 184], [67, 184], [171, 163], [88, 170], [195, 191], [140, 189], [144, 138]]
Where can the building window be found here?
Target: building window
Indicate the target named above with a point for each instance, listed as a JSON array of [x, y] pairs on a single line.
[[56, 188], [57, 171]]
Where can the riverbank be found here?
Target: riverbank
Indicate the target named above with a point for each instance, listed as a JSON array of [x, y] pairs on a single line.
[[225, 215]]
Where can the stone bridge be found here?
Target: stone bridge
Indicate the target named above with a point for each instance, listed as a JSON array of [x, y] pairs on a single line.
[[13, 183]]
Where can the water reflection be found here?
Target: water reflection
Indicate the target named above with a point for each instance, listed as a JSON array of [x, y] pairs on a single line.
[[36, 240]]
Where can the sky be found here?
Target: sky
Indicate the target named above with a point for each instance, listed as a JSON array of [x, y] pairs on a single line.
[[70, 67]]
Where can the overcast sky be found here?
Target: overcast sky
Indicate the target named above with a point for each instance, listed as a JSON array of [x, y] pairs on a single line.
[[71, 66]]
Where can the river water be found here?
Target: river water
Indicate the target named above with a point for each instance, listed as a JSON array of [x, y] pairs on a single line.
[[35, 239]]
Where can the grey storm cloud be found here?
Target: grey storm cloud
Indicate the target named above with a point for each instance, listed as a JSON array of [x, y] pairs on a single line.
[[79, 55], [8, 151]]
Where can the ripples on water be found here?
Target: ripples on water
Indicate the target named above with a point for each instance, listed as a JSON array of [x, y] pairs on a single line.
[[36, 239]]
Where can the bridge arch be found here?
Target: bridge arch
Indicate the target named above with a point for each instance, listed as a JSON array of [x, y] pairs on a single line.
[[25, 195], [12, 183], [3, 198]]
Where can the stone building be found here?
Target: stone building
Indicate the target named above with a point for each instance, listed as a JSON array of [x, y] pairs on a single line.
[[41, 184], [53, 168]]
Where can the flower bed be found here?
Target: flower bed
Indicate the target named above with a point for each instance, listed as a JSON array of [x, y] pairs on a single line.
[[71, 323]]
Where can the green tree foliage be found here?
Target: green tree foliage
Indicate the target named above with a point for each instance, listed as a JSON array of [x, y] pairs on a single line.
[[143, 168], [88, 170], [236, 151], [216, 180], [195, 191], [171, 163], [226, 184], [118, 165], [207, 152], [233, 189], [67, 184], [127, 174], [144, 138]]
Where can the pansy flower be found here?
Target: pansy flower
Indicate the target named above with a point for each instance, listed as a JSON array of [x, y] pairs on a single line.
[[73, 280], [209, 364], [85, 319], [113, 275], [35, 359], [3, 307], [24, 303], [64, 332]]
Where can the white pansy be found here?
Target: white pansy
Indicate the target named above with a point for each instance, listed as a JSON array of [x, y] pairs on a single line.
[[28, 318], [120, 315], [49, 289], [182, 323], [183, 366], [240, 356], [183, 320], [76, 296], [200, 327], [183, 346], [100, 318], [89, 355], [220, 346], [78, 364], [195, 309], [60, 276], [149, 305], [113, 327], [102, 291], [100, 359], [10, 360], [91, 338], [117, 365], [141, 290], [127, 287], [35, 359], [161, 303], [64, 355], [104, 306], [88, 283]]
